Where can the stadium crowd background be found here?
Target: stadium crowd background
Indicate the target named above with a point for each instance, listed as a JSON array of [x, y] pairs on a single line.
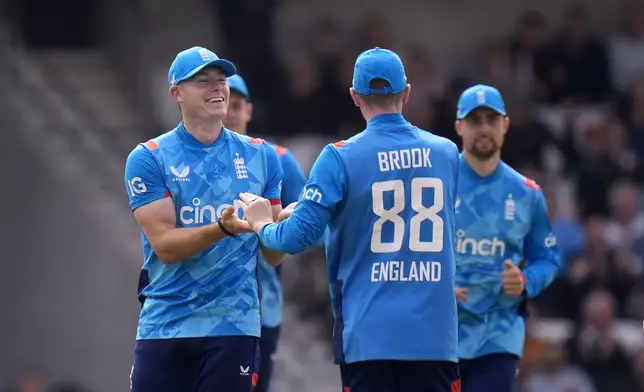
[[573, 80]]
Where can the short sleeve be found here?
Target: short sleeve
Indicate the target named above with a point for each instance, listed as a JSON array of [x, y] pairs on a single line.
[[144, 181], [274, 175]]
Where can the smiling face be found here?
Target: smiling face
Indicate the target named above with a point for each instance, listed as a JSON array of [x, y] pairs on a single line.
[[204, 95]]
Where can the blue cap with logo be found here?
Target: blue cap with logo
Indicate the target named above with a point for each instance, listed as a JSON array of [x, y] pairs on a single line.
[[480, 96], [237, 84], [189, 62], [382, 64]]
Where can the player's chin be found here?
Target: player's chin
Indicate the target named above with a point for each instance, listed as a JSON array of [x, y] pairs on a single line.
[[216, 110], [484, 152]]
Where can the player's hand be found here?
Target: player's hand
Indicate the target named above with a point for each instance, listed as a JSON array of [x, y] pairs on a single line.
[[512, 278], [461, 294], [232, 223], [257, 210], [286, 212]]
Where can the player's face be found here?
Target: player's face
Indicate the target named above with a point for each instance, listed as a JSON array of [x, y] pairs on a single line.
[[239, 113], [204, 95], [482, 132]]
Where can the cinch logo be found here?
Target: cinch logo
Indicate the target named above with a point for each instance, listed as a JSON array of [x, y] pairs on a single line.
[[484, 247], [198, 214], [312, 194]]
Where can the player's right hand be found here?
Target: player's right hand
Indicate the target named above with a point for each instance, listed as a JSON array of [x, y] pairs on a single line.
[[461, 294], [232, 223]]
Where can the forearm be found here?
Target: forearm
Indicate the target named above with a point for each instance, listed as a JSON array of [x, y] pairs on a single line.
[[179, 244], [273, 258], [290, 236]]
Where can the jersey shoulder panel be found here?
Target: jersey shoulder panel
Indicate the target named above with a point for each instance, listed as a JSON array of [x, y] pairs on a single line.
[[246, 140], [519, 181]]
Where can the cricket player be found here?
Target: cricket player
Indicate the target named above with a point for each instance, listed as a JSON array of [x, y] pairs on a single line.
[[501, 224], [200, 318], [387, 195], [240, 112]]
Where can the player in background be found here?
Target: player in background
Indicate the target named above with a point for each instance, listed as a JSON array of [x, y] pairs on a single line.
[[387, 195], [501, 224], [200, 316], [240, 112]]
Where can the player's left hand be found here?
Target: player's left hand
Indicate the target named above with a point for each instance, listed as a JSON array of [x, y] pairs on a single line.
[[286, 212], [257, 210], [513, 283]]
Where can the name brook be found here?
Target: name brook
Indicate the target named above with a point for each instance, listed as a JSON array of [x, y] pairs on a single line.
[[404, 159]]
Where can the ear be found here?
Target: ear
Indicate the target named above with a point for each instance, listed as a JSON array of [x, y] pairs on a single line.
[[175, 93], [250, 111], [406, 93], [354, 96], [458, 125], [506, 124]]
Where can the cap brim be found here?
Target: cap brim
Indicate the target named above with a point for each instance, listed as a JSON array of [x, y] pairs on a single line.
[[462, 115], [226, 66]]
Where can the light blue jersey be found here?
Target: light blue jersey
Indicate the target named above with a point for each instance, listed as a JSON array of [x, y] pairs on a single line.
[[498, 217], [387, 196], [214, 293], [272, 295]]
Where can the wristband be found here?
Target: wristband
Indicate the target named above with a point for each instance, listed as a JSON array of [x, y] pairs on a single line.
[[224, 230]]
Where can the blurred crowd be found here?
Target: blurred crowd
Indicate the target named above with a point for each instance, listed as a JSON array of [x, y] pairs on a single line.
[[576, 101], [575, 96]]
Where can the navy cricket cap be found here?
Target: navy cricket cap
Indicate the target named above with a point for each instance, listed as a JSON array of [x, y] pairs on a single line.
[[480, 96], [189, 62], [237, 84], [382, 64]]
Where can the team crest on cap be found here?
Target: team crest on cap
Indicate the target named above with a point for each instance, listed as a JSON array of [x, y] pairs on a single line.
[[205, 56], [480, 97]]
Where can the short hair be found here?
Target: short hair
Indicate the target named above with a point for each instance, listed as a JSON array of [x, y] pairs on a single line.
[[380, 101]]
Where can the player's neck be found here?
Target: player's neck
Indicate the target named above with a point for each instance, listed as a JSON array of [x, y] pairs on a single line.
[[482, 167], [369, 114], [203, 130]]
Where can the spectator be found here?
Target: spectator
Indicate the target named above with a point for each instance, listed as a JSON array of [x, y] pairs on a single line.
[[526, 48], [577, 67], [571, 237], [556, 374], [627, 48], [428, 87], [595, 346], [626, 224]]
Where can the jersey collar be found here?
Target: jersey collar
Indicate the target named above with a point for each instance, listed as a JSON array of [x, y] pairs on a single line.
[[187, 137], [387, 120]]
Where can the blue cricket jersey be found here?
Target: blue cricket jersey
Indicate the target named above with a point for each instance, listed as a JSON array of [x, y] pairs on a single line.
[[272, 295], [214, 293], [500, 216], [387, 196]]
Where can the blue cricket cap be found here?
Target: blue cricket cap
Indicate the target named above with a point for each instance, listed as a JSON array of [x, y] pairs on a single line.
[[189, 62], [480, 96], [237, 84], [382, 64]]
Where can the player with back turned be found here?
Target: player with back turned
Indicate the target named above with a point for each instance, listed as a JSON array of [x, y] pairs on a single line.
[[200, 316], [387, 195], [239, 114], [501, 224]]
